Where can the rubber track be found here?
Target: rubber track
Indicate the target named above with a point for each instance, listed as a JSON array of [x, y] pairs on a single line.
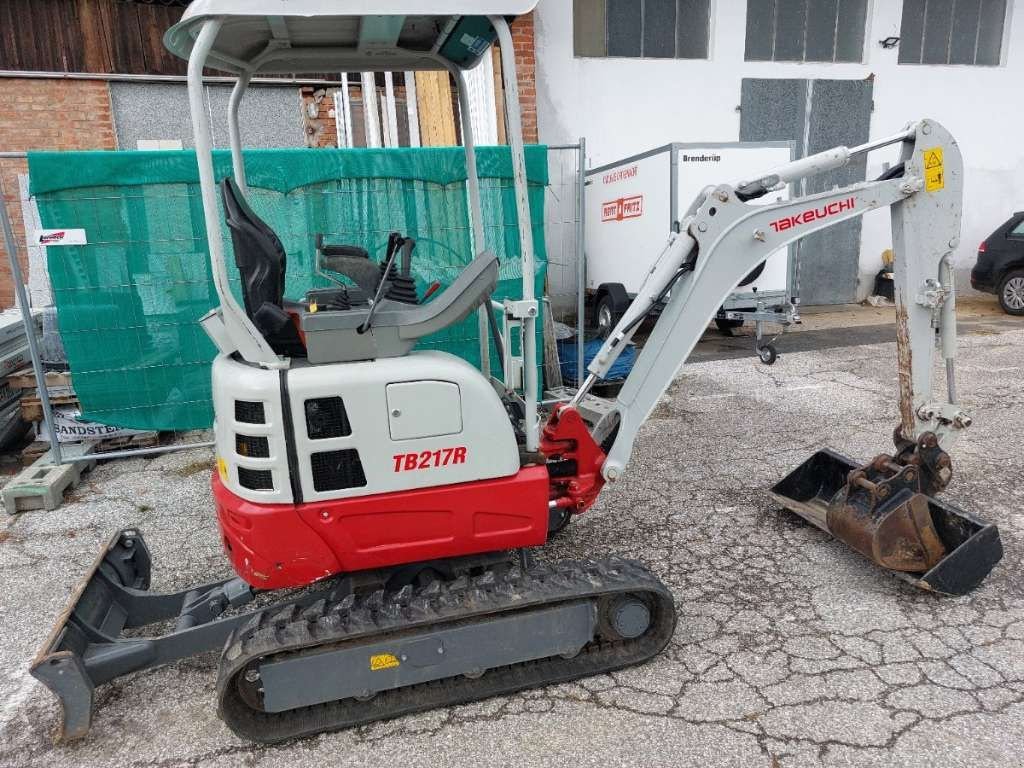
[[330, 623]]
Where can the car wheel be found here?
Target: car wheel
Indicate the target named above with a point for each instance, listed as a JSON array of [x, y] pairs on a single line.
[[605, 315], [1011, 292]]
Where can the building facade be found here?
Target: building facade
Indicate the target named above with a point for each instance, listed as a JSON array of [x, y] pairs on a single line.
[[630, 75]]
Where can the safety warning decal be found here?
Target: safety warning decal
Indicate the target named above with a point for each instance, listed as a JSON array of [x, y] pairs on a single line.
[[381, 661], [934, 177], [623, 208]]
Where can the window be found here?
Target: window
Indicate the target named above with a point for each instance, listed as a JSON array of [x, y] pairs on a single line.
[[649, 29], [805, 30], [952, 32], [1018, 230]]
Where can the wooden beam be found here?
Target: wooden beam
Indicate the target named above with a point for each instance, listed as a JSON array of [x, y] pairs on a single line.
[[499, 94], [434, 106]]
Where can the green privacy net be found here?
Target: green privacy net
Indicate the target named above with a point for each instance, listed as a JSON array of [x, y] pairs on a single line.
[[128, 302]]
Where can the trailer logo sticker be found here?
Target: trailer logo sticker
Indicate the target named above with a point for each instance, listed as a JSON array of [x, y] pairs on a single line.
[[619, 174], [428, 459], [813, 214], [623, 208], [381, 661], [60, 237], [934, 178]]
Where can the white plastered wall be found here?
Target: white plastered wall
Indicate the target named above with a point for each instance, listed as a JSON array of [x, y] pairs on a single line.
[[624, 106]]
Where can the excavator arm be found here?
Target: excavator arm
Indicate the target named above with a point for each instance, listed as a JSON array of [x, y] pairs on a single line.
[[884, 509], [723, 238]]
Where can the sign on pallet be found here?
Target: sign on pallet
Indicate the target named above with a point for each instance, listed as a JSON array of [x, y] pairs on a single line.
[[71, 428]]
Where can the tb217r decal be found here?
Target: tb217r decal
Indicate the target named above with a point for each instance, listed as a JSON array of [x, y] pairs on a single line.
[[405, 462]]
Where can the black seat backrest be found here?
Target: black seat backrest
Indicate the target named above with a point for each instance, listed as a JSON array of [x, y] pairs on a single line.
[[262, 263], [259, 255]]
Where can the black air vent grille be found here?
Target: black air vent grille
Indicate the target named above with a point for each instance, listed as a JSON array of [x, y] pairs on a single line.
[[253, 447], [326, 417], [255, 479], [335, 470], [249, 412]]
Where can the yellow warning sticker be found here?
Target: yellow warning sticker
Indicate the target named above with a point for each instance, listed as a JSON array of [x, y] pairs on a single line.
[[222, 468], [934, 175], [381, 661]]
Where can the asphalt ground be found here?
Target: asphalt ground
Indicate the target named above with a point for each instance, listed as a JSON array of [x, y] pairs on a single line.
[[791, 650]]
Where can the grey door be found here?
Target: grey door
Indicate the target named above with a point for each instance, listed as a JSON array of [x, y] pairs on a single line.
[[817, 115]]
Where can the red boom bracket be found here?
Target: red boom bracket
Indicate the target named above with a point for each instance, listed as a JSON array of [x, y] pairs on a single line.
[[566, 438]]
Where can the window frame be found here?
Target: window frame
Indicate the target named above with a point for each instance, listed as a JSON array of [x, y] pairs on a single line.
[[1012, 233], [709, 36], [862, 50], [1004, 39]]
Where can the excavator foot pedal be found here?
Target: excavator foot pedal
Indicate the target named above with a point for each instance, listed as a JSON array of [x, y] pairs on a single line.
[[879, 510]]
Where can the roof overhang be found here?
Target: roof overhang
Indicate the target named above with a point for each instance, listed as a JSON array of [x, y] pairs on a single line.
[[284, 36]]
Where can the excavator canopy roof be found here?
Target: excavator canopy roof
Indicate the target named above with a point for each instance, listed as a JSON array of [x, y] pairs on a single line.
[[342, 35]]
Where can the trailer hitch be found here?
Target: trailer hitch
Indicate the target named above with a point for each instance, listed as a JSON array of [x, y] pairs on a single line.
[[886, 511]]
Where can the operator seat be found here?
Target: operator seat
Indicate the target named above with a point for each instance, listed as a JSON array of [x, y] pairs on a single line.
[[337, 336], [262, 264]]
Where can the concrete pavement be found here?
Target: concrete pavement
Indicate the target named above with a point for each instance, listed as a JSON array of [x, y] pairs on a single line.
[[791, 650]]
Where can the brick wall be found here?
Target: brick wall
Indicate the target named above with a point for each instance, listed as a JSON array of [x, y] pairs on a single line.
[[526, 74], [45, 114], [328, 136]]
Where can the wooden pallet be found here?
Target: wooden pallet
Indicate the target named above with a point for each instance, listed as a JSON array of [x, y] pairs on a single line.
[[32, 405], [25, 378], [127, 442], [37, 448]]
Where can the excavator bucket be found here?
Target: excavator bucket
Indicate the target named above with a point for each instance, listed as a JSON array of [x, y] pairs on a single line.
[[879, 510]]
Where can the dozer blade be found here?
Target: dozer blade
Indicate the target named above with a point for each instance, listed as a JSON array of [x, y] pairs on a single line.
[[929, 543], [89, 644]]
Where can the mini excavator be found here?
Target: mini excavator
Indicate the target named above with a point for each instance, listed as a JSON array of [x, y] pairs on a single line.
[[377, 502]]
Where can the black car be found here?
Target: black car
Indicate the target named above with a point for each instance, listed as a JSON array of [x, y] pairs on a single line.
[[1000, 265]]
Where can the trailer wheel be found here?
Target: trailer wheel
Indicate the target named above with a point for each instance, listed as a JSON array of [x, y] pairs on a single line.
[[605, 315], [768, 354]]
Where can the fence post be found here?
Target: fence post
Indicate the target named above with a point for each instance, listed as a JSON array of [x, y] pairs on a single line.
[[30, 331], [581, 265]]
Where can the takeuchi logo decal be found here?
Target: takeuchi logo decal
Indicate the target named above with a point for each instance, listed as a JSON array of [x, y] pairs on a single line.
[[623, 208], [813, 214], [52, 237]]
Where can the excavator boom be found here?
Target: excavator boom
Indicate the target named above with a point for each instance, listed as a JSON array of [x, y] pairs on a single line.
[[884, 509]]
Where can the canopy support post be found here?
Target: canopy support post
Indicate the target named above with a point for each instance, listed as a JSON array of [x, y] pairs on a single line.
[[243, 334], [514, 122]]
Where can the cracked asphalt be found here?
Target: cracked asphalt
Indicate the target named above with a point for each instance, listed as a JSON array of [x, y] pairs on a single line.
[[791, 650]]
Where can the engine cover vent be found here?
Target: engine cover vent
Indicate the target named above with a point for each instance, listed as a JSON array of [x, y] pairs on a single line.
[[256, 479], [249, 412], [326, 417], [335, 470], [253, 447]]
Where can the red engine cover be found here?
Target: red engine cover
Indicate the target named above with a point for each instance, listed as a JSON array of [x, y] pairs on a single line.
[[273, 546]]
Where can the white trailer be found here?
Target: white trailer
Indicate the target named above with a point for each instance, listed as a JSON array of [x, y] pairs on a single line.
[[632, 205]]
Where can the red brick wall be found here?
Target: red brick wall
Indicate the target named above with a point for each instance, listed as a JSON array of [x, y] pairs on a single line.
[[526, 74], [45, 114]]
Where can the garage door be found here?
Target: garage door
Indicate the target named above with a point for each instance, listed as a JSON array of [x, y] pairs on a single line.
[[816, 115]]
